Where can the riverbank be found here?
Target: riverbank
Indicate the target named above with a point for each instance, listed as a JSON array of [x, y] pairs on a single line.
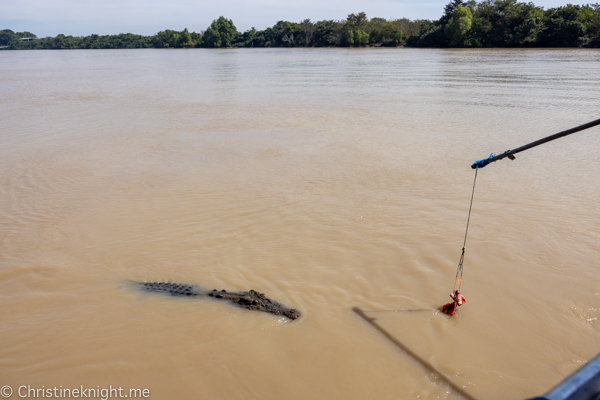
[[463, 25]]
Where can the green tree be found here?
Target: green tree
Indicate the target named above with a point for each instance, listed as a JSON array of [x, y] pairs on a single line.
[[594, 27], [528, 22], [567, 26], [165, 39], [221, 33], [384, 33], [285, 33], [211, 38], [356, 20], [355, 37], [253, 38], [353, 33], [185, 39], [391, 33], [349, 38], [361, 38], [477, 35], [327, 33], [459, 25], [449, 11], [430, 34], [7, 37], [306, 32]]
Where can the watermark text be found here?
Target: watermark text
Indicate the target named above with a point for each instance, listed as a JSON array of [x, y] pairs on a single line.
[[59, 392]]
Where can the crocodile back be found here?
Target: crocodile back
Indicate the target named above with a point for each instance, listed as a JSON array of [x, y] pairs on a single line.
[[174, 289]]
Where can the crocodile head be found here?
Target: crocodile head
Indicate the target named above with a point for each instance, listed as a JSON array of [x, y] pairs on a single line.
[[291, 313]]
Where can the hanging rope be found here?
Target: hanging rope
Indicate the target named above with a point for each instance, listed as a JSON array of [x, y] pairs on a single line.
[[459, 299], [459, 269]]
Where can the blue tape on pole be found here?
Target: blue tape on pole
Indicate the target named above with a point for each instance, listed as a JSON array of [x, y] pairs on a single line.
[[482, 163]]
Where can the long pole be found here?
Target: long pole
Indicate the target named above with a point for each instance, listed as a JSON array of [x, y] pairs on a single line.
[[458, 389], [510, 153]]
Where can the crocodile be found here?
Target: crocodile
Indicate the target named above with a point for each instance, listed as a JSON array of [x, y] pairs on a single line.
[[250, 300]]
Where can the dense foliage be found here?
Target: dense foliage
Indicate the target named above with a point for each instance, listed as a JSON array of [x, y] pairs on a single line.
[[221, 33], [489, 23], [121, 41], [508, 23]]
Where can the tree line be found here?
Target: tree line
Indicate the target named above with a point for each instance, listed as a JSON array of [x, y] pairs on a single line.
[[488, 23]]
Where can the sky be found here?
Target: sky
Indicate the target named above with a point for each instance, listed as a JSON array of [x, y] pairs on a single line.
[[146, 17]]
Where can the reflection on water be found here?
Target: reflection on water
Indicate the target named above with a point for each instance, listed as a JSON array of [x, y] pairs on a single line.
[[325, 178]]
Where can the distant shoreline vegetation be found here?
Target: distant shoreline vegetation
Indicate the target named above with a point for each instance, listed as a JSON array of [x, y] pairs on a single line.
[[470, 24]]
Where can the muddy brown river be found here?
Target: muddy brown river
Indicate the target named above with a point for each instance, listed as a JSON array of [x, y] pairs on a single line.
[[325, 178]]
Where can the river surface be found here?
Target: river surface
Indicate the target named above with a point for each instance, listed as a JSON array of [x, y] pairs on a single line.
[[326, 178]]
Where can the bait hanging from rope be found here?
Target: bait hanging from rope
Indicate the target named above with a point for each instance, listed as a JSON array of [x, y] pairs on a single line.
[[457, 298]]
